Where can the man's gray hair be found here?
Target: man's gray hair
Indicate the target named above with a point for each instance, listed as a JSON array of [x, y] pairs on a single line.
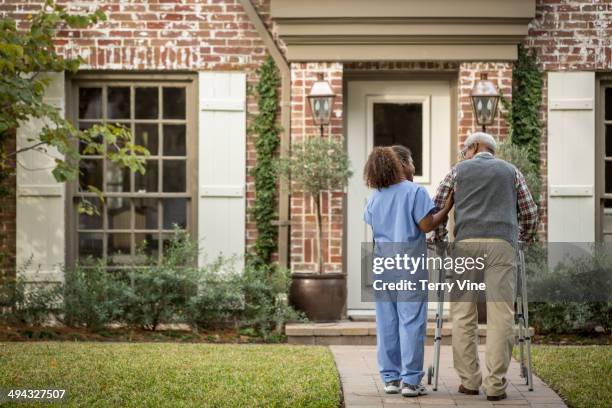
[[481, 137]]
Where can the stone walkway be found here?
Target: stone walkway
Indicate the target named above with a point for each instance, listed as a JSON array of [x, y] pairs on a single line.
[[362, 386]]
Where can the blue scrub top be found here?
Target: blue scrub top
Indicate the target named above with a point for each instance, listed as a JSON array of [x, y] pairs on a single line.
[[394, 212]]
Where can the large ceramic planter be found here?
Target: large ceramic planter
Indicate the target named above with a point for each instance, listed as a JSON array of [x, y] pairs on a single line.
[[320, 296]]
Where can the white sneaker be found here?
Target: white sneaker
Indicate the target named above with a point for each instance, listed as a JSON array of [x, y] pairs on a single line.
[[409, 390], [392, 387]]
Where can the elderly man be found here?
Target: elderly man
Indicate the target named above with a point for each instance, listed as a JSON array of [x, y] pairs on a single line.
[[493, 211]]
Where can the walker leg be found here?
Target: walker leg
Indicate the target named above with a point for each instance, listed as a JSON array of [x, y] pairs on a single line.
[[525, 318]]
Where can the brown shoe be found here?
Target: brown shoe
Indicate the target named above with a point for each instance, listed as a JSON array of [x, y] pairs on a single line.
[[497, 397], [467, 391]]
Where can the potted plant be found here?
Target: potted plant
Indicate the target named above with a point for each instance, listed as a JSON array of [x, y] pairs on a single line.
[[316, 165]]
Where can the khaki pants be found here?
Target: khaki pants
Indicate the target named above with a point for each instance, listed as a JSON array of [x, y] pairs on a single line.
[[499, 275]]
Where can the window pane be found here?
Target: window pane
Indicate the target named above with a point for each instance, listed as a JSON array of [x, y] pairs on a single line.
[[147, 183], [608, 103], [609, 140], [174, 140], [91, 245], [90, 103], [98, 139], [608, 177], [119, 213], [174, 103], [175, 212], [400, 123], [146, 103], [145, 213], [174, 176], [147, 244], [118, 103], [117, 178], [119, 245], [90, 173], [146, 135], [93, 221]]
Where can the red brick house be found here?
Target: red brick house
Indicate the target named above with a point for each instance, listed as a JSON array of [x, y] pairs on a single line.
[[179, 72]]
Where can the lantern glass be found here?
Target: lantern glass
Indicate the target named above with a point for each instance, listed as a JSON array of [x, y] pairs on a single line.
[[485, 108], [321, 107]]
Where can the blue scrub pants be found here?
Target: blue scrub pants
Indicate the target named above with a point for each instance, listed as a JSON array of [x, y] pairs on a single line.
[[401, 329]]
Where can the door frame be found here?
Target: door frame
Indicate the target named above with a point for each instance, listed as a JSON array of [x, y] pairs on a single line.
[[396, 75]]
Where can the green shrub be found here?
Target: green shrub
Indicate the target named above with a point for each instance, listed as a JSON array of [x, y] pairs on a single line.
[[155, 292], [265, 294], [32, 303], [582, 285], [159, 292], [219, 299], [92, 296], [519, 156]]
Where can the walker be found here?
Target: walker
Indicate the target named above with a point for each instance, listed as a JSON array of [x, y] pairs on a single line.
[[521, 317]]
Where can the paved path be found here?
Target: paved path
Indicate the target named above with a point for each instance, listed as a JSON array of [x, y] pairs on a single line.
[[362, 386]]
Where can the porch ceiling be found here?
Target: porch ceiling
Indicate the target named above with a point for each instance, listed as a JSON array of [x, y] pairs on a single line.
[[404, 30]]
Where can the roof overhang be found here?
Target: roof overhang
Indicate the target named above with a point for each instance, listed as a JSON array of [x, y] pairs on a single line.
[[402, 30]]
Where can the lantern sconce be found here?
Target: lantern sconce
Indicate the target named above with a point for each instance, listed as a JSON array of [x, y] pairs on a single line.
[[321, 98], [485, 100]]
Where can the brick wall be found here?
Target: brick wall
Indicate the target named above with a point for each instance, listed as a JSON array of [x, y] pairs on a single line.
[[303, 218], [568, 35], [164, 35]]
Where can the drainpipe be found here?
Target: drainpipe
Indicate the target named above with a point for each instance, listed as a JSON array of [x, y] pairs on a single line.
[[285, 105]]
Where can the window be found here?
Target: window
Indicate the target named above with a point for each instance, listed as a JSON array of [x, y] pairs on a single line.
[[605, 118], [402, 120], [401, 124], [140, 211]]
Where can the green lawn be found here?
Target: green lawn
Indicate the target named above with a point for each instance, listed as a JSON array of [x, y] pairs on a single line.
[[177, 375], [581, 374]]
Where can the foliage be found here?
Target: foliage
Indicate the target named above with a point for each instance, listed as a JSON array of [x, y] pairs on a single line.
[[264, 172], [26, 56], [219, 299], [147, 294], [175, 375], [523, 113], [518, 156], [573, 297], [266, 307], [580, 374], [92, 296], [31, 303], [159, 292], [317, 165]]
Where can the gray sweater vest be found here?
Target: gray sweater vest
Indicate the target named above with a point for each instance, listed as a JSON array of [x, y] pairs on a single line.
[[485, 199]]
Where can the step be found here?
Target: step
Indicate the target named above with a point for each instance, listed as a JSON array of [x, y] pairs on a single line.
[[358, 333]]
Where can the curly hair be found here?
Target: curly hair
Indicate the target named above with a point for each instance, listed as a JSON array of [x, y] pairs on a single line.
[[405, 156], [383, 168]]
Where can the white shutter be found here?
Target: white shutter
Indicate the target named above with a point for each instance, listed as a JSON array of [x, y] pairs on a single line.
[[40, 201], [222, 164], [571, 157]]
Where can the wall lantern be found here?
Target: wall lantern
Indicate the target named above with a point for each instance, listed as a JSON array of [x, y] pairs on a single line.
[[485, 99], [321, 98]]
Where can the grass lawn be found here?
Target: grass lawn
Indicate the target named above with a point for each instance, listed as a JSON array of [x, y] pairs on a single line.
[[581, 374], [177, 375]]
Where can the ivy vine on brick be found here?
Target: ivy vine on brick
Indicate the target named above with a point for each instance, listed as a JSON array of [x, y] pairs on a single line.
[[524, 111], [265, 174]]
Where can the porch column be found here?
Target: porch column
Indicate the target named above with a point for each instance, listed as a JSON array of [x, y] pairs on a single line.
[[303, 218]]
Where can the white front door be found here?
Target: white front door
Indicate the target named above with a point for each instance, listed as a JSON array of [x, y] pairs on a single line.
[[382, 113]]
